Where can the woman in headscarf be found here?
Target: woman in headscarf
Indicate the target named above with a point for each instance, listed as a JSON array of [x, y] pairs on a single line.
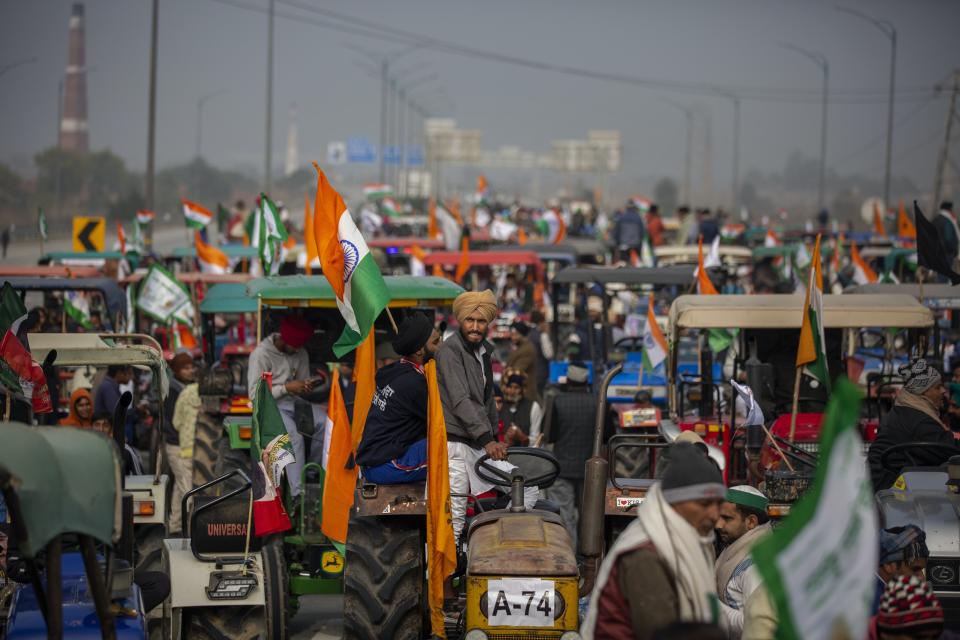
[[81, 410], [916, 417]]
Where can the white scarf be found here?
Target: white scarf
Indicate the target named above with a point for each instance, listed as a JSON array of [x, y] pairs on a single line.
[[688, 555], [732, 556]]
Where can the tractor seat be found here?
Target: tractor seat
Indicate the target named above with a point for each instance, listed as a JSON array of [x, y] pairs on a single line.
[[222, 528]]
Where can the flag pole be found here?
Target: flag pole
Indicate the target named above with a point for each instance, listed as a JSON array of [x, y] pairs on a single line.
[[393, 323], [777, 447], [796, 402]]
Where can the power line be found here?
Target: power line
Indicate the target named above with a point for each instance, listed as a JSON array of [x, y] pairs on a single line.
[[370, 29], [875, 141]]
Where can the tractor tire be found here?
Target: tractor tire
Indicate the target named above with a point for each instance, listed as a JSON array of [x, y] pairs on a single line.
[[205, 449], [384, 584], [149, 549], [277, 608]]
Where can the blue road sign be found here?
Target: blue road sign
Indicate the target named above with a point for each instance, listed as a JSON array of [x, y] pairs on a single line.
[[361, 151], [391, 155], [416, 156]]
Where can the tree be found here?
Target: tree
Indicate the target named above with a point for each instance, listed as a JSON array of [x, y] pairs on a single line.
[[665, 195], [12, 193]]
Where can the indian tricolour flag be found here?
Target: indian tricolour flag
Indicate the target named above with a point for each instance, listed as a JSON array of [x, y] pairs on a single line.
[[378, 190], [451, 225], [211, 259], [819, 566], [195, 215], [348, 265], [654, 343], [812, 351], [862, 273], [144, 217], [389, 207]]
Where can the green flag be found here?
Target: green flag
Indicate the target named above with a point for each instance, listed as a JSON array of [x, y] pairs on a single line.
[[163, 298], [12, 314], [77, 306], [819, 566], [223, 218], [269, 432], [41, 223], [268, 235]]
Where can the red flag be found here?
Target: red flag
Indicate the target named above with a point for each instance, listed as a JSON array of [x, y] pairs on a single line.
[[269, 516], [33, 383]]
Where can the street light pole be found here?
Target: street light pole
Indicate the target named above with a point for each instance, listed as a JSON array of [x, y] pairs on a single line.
[[736, 155], [688, 153], [151, 124], [200, 102], [887, 28], [821, 61], [268, 160]]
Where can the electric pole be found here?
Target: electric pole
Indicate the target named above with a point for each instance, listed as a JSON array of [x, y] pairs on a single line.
[[151, 125], [269, 151], [942, 182]]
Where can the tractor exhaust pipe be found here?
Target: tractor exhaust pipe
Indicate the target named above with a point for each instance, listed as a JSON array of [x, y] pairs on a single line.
[[590, 532]]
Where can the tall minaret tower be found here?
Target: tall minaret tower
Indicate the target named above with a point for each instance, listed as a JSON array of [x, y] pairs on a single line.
[[73, 122], [293, 156]]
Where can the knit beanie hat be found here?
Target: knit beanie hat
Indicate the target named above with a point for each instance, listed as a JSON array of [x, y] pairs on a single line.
[[919, 376], [909, 608], [691, 476]]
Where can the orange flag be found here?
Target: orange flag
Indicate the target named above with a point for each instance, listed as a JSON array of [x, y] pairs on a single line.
[[634, 258], [704, 286], [441, 547], [432, 230], [364, 375], [464, 263], [878, 227], [122, 238], [521, 236], [561, 229], [309, 239], [438, 271], [187, 339], [905, 228], [340, 482]]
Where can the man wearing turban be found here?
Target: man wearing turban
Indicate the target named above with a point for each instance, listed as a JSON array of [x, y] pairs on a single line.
[[282, 354], [393, 449], [915, 417], [465, 377]]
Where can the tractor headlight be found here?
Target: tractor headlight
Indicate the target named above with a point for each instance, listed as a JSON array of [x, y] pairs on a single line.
[[230, 585], [475, 634]]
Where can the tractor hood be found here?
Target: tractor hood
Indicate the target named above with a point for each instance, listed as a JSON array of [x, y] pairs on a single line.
[[531, 543], [922, 498]]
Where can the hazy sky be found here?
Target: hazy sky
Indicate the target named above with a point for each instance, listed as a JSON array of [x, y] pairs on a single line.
[[206, 46]]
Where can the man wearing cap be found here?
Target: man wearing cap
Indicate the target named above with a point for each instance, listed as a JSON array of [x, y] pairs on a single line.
[[282, 354], [915, 417], [393, 449], [660, 570], [465, 377], [523, 357], [743, 521], [908, 609], [569, 422], [903, 552]]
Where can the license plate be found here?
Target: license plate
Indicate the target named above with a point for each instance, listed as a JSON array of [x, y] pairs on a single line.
[[520, 603]]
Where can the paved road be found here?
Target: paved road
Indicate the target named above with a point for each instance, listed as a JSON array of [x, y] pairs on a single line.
[[26, 253], [319, 618]]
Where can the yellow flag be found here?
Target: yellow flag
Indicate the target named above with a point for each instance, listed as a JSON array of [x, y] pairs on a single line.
[[441, 547]]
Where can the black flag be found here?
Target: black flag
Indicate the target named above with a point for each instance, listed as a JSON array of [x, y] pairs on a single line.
[[930, 250]]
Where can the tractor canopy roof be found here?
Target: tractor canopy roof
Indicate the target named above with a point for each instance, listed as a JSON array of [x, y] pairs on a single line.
[[787, 250], [113, 295], [49, 271], [675, 276], [67, 480], [315, 291], [785, 311], [545, 251], [192, 277], [228, 297], [230, 250], [64, 256], [99, 350], [935, 296], [688, 254], [484, 258]]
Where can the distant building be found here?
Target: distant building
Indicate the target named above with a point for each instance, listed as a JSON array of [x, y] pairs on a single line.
[[73, 119]]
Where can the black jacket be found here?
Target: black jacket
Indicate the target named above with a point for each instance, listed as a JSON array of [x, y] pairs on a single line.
[[397, 417], [571, 428], [901, 425], [170, 433]]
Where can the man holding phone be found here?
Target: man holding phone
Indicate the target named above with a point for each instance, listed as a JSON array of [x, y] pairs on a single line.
[[282, 354]]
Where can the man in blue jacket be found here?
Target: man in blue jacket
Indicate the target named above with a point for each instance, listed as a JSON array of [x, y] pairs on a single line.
[[393, 449]]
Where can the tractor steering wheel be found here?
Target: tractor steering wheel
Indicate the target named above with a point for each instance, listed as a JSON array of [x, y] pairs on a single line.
[[498, 477], [629, 343], [905, 448]]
